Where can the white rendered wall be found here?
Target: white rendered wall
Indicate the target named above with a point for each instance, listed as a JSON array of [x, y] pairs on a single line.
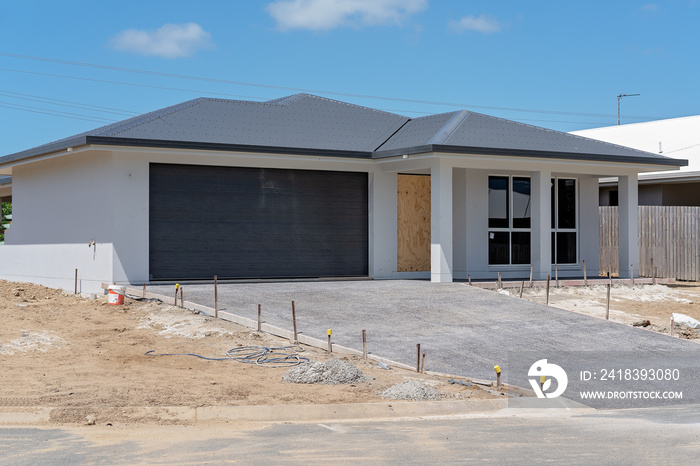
[[441, 195], [477, 212], [130, 176], [59, 206], [383, 197]]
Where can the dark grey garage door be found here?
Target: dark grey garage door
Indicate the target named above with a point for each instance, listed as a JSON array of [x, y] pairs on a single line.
[[256, 222]]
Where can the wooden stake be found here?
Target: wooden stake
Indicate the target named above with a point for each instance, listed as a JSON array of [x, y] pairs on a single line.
[[547, 302], [422, 365], [144, 291], [259, 321], [330, 345], [216, 297], [672, 324], [607, 304], [522, 285], [531, 267], [469, 277], [632, 273], [585, 278], [294, 321], [177, 287], [418, 358], [364, 344], [556, 274], [182, 301], [76, 281], [499, 281]]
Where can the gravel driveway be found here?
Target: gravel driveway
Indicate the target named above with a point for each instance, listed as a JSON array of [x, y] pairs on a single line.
[[464, 330]]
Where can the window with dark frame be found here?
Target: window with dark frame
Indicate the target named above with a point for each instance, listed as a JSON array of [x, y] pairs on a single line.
[[509, 204], [564, 221], [509, 222]]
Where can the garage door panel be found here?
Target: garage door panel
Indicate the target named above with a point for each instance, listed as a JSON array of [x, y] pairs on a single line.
[[251, 222]]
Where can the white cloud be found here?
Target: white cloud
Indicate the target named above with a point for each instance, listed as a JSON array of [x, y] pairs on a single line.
[[484, 24], [323, 15], [168, 41]]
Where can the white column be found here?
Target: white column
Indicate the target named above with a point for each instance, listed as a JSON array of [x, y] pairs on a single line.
[[627, 223], [441, 222], [382, 224], [541, 220], [459, 223], [477, 213], [588, 225]]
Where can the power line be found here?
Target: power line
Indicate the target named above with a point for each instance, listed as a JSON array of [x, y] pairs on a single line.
[[56, 111], [126, 84], [312, 91], [48, 100], [93, 119], [515, 119]]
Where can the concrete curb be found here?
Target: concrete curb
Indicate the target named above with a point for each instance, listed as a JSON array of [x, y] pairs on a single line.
[[265, 413]]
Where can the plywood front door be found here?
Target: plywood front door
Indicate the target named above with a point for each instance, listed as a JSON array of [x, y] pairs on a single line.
[[413, 223]]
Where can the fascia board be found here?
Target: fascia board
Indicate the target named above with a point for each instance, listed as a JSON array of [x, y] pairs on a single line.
[[225, 147], [673, 163]]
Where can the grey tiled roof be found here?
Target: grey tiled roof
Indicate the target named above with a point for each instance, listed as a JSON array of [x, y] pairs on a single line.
[[307, 124], [483, 134]]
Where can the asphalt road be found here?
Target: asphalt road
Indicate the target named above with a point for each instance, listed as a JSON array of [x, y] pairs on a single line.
[[644, 436], [467, 331]]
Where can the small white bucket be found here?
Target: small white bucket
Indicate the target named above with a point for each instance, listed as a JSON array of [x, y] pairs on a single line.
[[116, 294]]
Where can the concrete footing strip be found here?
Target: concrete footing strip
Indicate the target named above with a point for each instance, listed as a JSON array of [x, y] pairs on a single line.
[[266, 413]]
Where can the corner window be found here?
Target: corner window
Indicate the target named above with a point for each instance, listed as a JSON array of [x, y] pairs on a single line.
[[509, 220], [564, 221]]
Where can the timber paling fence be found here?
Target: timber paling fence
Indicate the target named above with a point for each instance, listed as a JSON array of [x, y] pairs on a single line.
[[668, 242]]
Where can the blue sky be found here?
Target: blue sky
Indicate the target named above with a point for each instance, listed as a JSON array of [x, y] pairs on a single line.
[[556, 64]]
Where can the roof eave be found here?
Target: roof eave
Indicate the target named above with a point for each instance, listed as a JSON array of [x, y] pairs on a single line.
[[530, 154], [43, 150], [193, 145]]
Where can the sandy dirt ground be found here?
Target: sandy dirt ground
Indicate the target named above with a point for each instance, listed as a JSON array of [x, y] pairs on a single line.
[[60, 350], [628, 304]]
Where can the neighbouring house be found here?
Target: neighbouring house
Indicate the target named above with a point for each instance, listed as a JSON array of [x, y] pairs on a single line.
[[305, 186], [675, 137], [5, 196], [5, 189]]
